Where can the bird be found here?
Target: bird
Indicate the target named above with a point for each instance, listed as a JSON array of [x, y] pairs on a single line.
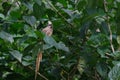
[[48, 30]]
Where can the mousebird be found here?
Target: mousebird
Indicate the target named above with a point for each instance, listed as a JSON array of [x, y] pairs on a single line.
[[48, 30]]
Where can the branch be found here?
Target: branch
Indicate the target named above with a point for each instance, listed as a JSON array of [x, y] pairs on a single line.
[[38, 73], [110, 31], [59, 13]]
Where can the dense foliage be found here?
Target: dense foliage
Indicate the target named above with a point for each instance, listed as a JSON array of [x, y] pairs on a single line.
[[85, 44]]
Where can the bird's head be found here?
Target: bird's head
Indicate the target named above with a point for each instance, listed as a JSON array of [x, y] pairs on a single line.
[[49, 24]]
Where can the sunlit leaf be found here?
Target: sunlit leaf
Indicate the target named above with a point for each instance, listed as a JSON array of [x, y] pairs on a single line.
[[49, 40], [30, 20], [39, 2], [81, 65], [2, 16], [118, 39], [6, 36], [114, 73], [16, 54], [28, 5], [62, 46], [102, 52], [47, 46], [69, 12], [25, 63]]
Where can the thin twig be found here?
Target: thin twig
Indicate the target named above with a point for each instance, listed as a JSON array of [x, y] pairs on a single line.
[[63, 71], [73, 71], [57, 11], [110, 31], [38, 73]]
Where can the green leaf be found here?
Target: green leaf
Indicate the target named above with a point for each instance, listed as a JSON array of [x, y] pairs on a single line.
[[27, 60], [30, 31], [105, 27], [2, 16], [69, 12], [16, 54], [102, 52], [49, 40], [28, 5], [6, 6], [15, 14], [29, 48], [30, 20], [84, 29], [6, 36], [115, 62], [25, 63], [63, 2], [116, 54], [47, 46], [38, 10], [114, 73], [39, 34], [56, 57], [81, 5], [118, 0], [98, 40], [118, 39], [90, 17], [62, 46], [36, 49], [38, 2], [102, 69]]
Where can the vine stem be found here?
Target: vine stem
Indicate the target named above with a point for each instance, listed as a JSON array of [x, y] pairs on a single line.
[[109, 28]]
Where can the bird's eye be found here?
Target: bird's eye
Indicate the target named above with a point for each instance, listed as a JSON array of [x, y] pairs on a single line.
[[50, 26]]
